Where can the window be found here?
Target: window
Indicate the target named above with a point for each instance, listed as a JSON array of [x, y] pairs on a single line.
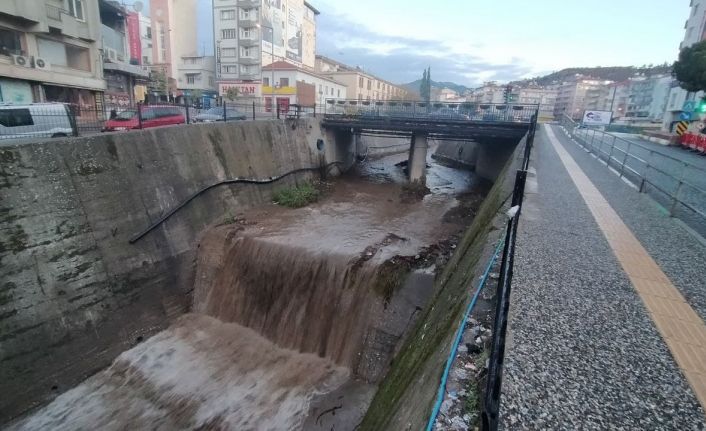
[[227, 14], [266, 82], [360, 82], [378, 85], [192, 60], [247, 14], [76, 8], [10, 42], [230, 69], [162, 44], [339, 94], [57, 53], [228, 52], [246, 33], [148, 34], [246, 52], [284, 82], [370, 85], [326, 92], [689, 32], [145, 60], [191, 78], [15, 117], [228, 33], [321, 89], [78, 58]]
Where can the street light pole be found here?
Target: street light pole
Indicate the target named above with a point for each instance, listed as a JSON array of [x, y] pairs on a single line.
[[272, 62]]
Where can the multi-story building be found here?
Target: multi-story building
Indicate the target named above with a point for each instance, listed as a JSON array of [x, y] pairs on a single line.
[[291, 84], [250, 34], [695, 31], [647, 99], [121, 76], [197, 79], [50, 51], [489, 92], [174, 36], [617, 98], [545, 97], [571, 97], [145, 39], [360, 85]]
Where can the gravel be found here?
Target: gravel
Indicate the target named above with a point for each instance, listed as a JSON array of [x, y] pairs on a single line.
[[582, 351]]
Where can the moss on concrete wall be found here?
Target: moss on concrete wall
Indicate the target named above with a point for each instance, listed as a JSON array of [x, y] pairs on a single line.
[[405, 397]]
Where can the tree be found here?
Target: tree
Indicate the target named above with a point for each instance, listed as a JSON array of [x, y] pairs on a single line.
[[690, 69], [425, 85], [158, 81]]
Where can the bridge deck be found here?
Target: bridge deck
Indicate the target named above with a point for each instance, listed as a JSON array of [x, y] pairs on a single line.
[[608, 305]]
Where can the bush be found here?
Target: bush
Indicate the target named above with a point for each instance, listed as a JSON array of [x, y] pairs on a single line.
[[297, 196]]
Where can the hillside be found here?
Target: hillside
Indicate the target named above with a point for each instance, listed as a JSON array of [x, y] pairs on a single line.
[[414, 86], [619, 73]]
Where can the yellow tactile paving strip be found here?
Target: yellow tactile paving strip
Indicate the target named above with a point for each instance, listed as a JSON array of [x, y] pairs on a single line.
[[680, 326]]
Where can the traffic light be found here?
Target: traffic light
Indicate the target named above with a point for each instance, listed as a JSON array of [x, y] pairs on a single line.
[[701, 107]]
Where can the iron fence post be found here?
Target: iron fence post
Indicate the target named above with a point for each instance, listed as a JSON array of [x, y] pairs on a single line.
[[625, 159], [186, 107], [253, 110], [612, 146], [139, 115], [675, 199], [72, 119], [277, 111]]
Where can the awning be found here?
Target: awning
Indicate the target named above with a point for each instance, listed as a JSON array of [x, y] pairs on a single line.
[[127, 69]]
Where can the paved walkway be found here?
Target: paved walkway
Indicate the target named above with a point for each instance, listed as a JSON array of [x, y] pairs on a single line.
[[609, 297]]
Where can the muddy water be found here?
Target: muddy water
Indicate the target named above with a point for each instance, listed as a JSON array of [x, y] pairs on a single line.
[[294, 323]]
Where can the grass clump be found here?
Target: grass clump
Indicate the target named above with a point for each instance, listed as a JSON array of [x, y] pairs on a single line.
[[297, 196]]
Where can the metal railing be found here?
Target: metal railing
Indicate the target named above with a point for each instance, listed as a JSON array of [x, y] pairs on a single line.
[[676, 184], [52, 120], [490, 413], [441, 111]]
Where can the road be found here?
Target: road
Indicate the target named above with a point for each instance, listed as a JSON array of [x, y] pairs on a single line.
[[667, 171]]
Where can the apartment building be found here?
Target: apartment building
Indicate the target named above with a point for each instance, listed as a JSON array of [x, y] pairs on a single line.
[[121, 53], [647, 100], [360, 84], [572, 96], [250, 34], [197, 79], [489, 92], [545, 97], [173, 37], [617, 98], [50, 51], [145, 29], [694, 32]]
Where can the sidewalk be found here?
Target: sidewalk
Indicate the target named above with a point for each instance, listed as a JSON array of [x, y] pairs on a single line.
[[584, 352]]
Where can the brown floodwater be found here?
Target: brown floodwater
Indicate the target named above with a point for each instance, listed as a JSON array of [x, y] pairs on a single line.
[[293, 323]]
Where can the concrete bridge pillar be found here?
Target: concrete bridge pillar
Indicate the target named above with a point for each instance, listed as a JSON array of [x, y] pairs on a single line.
[[417, 162], [492, 156]]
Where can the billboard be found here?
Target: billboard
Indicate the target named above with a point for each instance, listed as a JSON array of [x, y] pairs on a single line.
[[274, 29], [133, 38], [295, 18], [597, 118]]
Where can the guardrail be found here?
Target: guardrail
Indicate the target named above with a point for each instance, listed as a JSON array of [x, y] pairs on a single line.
[[679, 186], [51, 120], [441, 111], [490, 413]]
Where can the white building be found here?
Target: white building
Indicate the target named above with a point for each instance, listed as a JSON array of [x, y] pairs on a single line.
[[647, 98], [197, 78], [573, 95], [250, 34], [695, 27], [296, 85], [490, 92], [146, 39]]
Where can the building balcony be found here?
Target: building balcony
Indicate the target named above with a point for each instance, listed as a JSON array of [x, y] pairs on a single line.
[[249, 3], [248, 22], [250, 61], [249, 42], [251, 74]]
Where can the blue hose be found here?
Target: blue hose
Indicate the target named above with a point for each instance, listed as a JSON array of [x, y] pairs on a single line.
[[457, 340]]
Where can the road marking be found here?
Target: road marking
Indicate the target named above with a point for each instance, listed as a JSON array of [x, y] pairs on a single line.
[[681, 327]]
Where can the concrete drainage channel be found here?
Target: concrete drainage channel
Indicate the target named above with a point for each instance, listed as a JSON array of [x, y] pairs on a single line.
[[294, 318]]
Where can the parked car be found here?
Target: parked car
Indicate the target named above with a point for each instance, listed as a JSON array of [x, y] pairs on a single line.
[[35, 120], [152, 116], [216, 114], [448, 114]]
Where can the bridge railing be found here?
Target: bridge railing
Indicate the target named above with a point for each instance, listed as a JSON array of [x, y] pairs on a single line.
[[430, 111]]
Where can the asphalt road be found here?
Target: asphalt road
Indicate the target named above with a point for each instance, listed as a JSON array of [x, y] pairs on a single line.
[[667, 172]]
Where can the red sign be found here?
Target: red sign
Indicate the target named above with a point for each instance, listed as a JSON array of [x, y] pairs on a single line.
[[133, 37]]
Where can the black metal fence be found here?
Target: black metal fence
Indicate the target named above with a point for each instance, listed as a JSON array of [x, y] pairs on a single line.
[[491, 402], [443, 111], [50, 120]]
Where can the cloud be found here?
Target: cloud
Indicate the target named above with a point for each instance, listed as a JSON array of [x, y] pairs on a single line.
[[402, 59]]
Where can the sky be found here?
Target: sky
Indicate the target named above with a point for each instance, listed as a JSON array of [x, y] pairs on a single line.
[[472, 41]]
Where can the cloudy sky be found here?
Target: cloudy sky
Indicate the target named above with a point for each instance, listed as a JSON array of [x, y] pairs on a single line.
[[471, 41]]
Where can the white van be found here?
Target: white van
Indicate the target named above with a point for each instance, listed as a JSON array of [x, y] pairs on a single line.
[[34, 120]]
